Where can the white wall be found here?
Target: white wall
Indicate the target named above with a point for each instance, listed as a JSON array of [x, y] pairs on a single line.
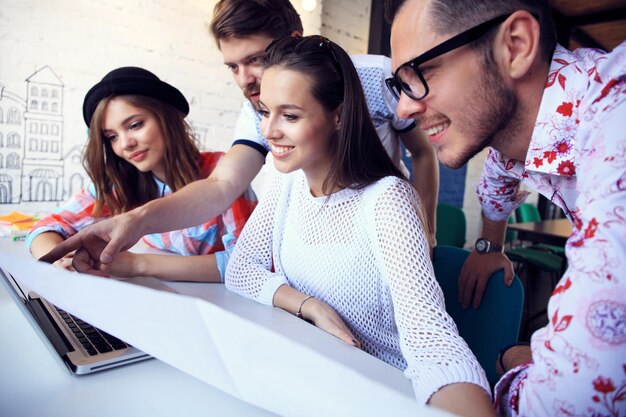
[[347, 23]]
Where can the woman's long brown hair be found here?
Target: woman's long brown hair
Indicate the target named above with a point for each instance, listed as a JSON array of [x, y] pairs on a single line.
[[358, 156], [119, 185]]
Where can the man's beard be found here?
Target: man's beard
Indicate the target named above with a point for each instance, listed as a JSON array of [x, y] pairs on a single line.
[[250, 90], [490, 118]]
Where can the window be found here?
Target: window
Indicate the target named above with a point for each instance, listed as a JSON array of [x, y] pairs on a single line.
[[55, 130], [44, 146], [34, 91], [55, 107], [54, 146], [54, 93], [44, 129], [1, 140], [44, 92], [32, 145], [13, 160], [33, 127], [34, 105], [1, 115], [13, 116], [13, 140], [1, 161], [44, 106]]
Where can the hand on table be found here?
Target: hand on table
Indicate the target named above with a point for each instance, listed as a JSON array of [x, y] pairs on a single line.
[[475, 275], [99, 243], [65, 262], [327, 319], [124, 265]]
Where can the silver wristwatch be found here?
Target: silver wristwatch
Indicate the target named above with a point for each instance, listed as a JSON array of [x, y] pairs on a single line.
[[484, 246]]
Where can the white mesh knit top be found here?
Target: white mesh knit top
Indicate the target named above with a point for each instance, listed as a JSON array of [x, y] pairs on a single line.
[[364, 253]]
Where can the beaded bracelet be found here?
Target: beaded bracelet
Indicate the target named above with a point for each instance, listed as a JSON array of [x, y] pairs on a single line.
[[299, 313]]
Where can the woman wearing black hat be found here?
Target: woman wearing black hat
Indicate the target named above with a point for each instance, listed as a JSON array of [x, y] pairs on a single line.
[[140, 148]]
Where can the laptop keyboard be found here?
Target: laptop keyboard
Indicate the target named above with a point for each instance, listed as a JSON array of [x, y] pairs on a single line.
[[93, 340]]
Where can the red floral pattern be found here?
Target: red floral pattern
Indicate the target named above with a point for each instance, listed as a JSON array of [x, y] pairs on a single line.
[[576, 158], [610, 397], [566, 168]]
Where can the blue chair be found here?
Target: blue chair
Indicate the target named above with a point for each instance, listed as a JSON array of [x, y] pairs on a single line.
[[492, 326], [451, 226]]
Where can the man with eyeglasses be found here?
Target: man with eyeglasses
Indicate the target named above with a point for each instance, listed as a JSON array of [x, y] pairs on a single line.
[[476, 74]]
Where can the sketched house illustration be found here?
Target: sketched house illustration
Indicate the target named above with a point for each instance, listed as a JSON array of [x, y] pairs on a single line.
[[42, 166], [74, 178], [33, 166]]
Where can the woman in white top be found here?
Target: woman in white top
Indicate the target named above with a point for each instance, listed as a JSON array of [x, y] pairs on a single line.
[[339, 239]]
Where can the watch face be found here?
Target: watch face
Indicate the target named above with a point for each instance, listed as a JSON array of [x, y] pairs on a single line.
[[481, 245]]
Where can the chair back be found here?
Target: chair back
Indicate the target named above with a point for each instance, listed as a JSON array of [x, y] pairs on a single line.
[[451, 226], [527, 213], [492, 326]]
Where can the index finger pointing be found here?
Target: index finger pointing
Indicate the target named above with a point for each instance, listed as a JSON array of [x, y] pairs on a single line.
[[62, 249]]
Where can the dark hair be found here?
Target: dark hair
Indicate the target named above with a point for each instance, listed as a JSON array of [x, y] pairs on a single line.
[[359, 157], [119, 185], [455, 16], [238, 18]]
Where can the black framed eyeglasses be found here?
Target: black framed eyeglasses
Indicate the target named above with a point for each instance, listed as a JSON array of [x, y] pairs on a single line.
[[408, 77]]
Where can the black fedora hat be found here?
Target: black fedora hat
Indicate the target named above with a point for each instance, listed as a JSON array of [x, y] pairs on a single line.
[[136, 81]]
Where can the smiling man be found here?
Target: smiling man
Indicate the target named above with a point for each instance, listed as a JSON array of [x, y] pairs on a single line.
[[476, 74]]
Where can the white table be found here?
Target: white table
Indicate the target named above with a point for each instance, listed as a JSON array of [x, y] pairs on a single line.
[[32, 383]]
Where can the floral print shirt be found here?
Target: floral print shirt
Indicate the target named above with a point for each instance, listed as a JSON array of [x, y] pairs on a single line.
[[576, 158]]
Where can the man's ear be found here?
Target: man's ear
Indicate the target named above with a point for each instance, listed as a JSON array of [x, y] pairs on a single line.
[[295, 34], [519, 43]]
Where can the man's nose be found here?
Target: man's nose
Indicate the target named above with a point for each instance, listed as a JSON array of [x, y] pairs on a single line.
[[409, 108], [245, 77]]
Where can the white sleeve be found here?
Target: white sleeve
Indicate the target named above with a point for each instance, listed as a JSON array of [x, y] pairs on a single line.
[[435, 353], [248, 129], [250, 269]]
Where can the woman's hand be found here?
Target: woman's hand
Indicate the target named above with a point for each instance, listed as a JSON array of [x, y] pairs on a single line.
[[65, 262], [327, 319]]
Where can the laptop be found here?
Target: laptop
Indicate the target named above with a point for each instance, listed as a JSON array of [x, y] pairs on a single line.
[[80, 347]]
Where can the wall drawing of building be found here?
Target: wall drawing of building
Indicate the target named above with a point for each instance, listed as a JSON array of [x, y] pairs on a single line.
[[42, 168], [33, 167], [74, 178]]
